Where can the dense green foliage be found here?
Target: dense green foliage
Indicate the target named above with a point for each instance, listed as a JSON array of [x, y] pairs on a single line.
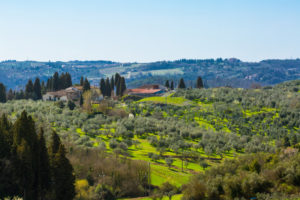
[[181, 134], [27, 169], [2, 93], [259, 175]]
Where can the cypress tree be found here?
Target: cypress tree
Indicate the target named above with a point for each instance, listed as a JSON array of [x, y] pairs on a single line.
[[117, 79], [29, 90], [8, 176], [37, 89], [181, 84], [55, 82], [25, 148], [43, 172], [49, 84], [167, 84], [86, 85], [2, 93], [61, 81], [68, 80], [61, 170], [43, 88], [199, 82], [172, 85], [107, 87], [122, 86], [102, 87], [112, 84], [81, 81]]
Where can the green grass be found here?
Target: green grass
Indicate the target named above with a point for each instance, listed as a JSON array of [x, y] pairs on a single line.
[[161, 174], [167, 100]]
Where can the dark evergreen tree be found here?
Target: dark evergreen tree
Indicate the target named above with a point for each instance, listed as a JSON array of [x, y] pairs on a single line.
[[172, 85], [181, 84], [37, 89], [8, 176], [122, 86], [81, 100], [112, 84], [81, 81], [61, 170], [10, 95], [43, 88], [102, 87], [107, 87], [117, 79], [68, 80], [86, 85], [29, 90], [2, 93], [26, 149], [43, 172], [49, 85], [71, 105], [167, 84], [199, 83], [55, 82]]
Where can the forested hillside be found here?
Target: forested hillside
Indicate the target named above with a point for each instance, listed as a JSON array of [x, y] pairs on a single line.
[[218, 72], [216, 143]]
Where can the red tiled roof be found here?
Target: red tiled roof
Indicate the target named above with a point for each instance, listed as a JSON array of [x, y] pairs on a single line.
[[143, 91], [154, 86]]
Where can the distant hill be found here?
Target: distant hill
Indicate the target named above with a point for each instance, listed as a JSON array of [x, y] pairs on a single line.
[[215, 72]]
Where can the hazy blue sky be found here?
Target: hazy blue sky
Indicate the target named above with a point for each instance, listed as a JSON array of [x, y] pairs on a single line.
[[149, 30]]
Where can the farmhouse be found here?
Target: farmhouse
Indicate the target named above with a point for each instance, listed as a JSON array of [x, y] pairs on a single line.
[[147, 90], [71, 93]]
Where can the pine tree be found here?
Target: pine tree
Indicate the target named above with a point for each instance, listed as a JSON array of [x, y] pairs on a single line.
[[43, 88], [172, 85], [4, 140], [68, 80], [26, 150], [29, 90], [117, 79], [107, 87], [55, 82], [181, 84], [199, 82], [2, 93], [86, 85], [102, 87], [61, 170], [8, 177], [112, 84], [167, 84], [122, 86], [37, 89], [43, 172], [81, 81]]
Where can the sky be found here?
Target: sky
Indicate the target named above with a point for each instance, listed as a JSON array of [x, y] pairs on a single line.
[[149, 30]]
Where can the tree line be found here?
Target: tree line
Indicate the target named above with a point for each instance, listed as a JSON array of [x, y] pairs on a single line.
[[182, 85], [108, 86], [29, 169], [35, 90]]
